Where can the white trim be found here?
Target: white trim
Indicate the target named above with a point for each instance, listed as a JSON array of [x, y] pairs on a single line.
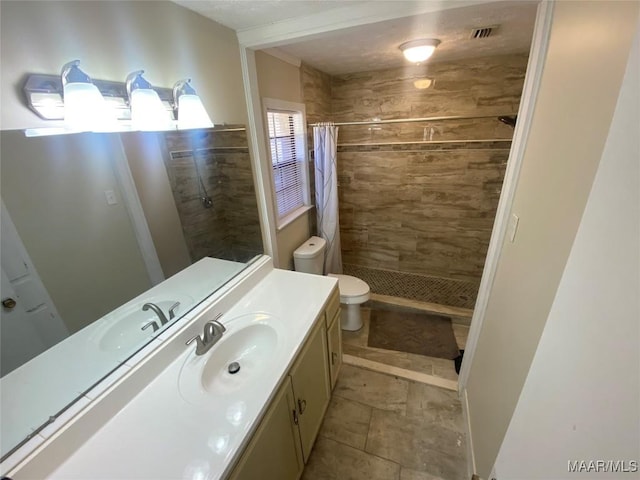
[[471, 459], [259, 155], [292, 216], [136, 213], [284, 56], [521, 134], [309, 26], [277, 104]]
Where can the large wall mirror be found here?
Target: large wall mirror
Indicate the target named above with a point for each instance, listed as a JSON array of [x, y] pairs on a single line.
[[100, 234]]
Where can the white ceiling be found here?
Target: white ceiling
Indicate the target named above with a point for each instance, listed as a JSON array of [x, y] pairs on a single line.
[[245, 14], [374, 46]]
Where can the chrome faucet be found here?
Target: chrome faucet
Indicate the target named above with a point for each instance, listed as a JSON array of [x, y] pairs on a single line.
[[156, 309], [213, 331]]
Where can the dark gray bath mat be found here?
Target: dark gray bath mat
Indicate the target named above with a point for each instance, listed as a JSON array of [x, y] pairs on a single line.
[[419, 333]]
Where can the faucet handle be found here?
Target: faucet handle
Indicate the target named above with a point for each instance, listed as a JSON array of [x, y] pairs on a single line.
[[198, 341], [172, 310], [152, 324]]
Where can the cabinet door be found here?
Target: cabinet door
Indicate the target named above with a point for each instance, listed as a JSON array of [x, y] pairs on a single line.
[[274, 450], [334, 339], [310, 379]]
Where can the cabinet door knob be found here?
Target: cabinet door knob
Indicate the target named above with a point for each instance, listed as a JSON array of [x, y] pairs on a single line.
[[295, 417], [8, 303], [334, 357], [302, 405]]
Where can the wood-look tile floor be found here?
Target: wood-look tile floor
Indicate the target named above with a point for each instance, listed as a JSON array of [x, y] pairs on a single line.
[[384, 427], [381, 427]]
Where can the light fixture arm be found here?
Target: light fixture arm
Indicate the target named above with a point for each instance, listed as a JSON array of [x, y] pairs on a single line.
[[71, 73], [182, 87], [135, 80]]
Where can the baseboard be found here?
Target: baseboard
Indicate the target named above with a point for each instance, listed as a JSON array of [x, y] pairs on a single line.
[[463, 315], [471, 461], [399, 372]]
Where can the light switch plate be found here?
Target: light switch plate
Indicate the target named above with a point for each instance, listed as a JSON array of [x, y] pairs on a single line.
[[111, 197], [513, 227]]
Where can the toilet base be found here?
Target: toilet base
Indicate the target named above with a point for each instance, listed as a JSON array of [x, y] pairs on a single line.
[[350, 318]]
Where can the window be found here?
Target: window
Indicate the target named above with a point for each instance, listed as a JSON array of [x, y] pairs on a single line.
[[288, 158]]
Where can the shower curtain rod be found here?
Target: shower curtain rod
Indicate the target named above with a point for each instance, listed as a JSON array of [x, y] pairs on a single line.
[[424, 119]]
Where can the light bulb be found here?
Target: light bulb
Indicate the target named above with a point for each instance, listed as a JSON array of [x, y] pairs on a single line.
[[417, 51]]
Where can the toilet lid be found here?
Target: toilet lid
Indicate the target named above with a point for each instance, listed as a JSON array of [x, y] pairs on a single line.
[[352, 289]]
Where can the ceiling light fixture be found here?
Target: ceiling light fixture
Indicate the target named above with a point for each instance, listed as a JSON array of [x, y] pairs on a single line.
[[417, 51]]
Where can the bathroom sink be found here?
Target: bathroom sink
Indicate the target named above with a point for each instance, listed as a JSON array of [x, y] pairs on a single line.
[[236, 362], [121, 330]]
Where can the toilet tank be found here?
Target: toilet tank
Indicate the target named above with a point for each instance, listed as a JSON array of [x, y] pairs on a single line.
[[309, 257]]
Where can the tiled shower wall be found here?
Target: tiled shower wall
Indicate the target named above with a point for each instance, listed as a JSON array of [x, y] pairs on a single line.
[[316, 90], [230, 229], [421, 198]]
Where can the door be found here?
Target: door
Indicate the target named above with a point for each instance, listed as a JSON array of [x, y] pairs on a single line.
[[334, 340], [29, 322], [274, 451], [310, 379], [19, 340]]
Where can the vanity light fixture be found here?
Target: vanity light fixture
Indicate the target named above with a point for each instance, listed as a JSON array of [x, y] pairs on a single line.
[[89, 105], [417, 51], [190, 110], [85, 109], [147, 111]]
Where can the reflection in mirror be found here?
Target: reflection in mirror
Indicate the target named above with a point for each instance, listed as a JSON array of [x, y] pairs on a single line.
[[107, 240]]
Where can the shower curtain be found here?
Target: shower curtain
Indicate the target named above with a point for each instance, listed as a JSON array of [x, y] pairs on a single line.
[[325, 147]]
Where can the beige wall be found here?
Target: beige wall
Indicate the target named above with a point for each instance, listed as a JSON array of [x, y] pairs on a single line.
[[572, 116], [291, 237], [84, 250], [145, 157], [113, 39], [581, 399], [277, 78], [281, 80]]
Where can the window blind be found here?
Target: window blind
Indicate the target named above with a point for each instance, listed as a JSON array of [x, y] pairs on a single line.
[[286, 138]]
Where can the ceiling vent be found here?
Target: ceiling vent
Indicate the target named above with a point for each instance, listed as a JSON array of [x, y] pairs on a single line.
[[483, 32]]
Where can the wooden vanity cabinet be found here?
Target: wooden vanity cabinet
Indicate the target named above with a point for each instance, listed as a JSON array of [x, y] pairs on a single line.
[[310, 382], [334, 337], [282, 443], [274, 450]]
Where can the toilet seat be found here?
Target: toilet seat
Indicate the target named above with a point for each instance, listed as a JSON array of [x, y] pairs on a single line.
[[352, 289]]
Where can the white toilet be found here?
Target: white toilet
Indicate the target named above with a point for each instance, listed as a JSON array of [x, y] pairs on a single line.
[[309, 258]]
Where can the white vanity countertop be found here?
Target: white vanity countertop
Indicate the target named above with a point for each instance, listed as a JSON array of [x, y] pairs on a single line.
[[160, 435], [73, 365]]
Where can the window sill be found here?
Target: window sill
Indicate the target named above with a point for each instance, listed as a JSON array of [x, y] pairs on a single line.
[[291, 217]]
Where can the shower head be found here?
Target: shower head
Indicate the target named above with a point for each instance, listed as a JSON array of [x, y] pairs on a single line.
[[511, 121]]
